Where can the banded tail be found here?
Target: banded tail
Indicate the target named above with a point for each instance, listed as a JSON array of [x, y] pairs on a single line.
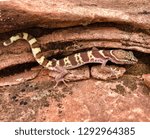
[[35, 47]]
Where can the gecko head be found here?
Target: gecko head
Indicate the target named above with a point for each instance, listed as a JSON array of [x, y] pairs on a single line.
[[124, 57]]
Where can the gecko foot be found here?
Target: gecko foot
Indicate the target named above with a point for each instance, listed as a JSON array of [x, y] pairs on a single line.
[[62, 72], [60, 80]]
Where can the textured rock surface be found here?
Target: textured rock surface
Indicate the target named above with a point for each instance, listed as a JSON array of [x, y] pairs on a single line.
[[99, 101], [26, 89], [98, 36], [107, 72], [146, 78], [69, 13], [125, 99]]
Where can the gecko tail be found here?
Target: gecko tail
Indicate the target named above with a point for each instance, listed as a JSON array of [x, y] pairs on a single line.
[[37, 53], [35, 47], [20, 36]]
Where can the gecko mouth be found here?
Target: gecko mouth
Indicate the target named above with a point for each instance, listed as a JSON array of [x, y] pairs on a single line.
[[134, 60]]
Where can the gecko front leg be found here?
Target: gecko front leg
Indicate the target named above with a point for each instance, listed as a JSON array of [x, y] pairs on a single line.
[[104, 63], [62, 72]]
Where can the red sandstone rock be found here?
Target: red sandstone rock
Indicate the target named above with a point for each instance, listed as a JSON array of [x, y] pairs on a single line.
[[91, 100], [97, 36], [18, 78], [146, 78], [107, 72], [54, 14]]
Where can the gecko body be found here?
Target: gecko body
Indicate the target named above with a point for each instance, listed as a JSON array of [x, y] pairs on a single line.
[[62, 66]]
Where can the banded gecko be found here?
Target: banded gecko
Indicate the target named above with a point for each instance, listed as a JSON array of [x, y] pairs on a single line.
[[62, 66]]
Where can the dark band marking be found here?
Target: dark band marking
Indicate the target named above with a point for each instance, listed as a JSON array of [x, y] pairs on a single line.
[[53, 62], [72, 59], [20, 35], [61, 62], [38, 55], [99, 54], [84, 56], [45, 62], [107, 54], [35, 45], [29, 37]]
